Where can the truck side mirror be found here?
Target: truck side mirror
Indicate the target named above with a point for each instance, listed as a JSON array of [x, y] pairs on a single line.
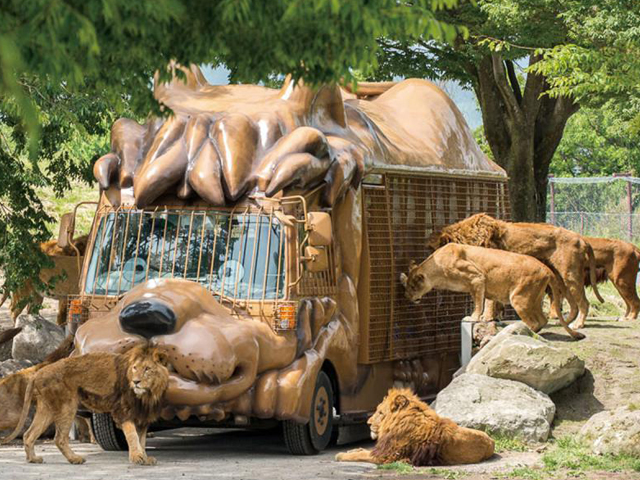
[[317, 259], [67, 227], [320, 229]]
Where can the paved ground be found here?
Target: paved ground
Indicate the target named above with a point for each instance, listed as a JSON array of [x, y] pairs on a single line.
[[196, 453]]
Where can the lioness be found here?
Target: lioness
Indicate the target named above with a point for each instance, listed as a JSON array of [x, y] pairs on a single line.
[[407, 429], [620, 261], [130, 386], [14, 387], [502, 276], [562, 250]]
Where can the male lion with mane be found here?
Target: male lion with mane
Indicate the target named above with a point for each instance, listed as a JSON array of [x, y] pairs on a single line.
[[565, 252], [407, 429], [129, 386]]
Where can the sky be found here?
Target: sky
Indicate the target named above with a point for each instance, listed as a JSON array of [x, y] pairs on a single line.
[[464, 99]]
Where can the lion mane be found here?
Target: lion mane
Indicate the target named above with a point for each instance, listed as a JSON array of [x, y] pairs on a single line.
[[479, 230], [129, 386], [408, 430]]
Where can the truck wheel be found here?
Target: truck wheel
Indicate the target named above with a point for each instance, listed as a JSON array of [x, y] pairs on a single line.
[[314, 436], [108, 436]]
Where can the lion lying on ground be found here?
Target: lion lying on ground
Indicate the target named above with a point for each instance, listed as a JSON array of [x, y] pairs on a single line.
[[565, 252], [506, 277], [617, 261], [407, 429], [29, 297], [14, 387], [129, 386]]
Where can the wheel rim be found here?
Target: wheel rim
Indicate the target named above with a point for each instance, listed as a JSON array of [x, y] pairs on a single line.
[[321, 411]]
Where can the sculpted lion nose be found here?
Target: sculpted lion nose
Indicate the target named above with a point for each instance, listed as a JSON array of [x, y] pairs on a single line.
[[147, 318]]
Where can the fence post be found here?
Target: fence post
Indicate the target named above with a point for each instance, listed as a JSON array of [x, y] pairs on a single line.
[[553, 200], [630, 205], [581, 223]]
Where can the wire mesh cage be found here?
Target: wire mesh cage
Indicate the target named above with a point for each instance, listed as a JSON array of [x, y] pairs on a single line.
[[401, 211]]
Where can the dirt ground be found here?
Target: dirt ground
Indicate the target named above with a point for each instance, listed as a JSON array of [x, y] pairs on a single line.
[[611, 351]]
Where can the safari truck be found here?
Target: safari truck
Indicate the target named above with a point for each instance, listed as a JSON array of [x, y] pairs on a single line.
[[258, 236]]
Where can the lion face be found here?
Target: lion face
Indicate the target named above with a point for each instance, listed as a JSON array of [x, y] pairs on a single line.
[[147, 374], [383, 420], [415, 284]]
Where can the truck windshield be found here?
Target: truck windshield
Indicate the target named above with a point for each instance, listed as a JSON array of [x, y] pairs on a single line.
[[234, 255]]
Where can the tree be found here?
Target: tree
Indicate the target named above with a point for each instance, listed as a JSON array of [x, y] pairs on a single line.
[[69, 66], [599, 142], [524, 115]]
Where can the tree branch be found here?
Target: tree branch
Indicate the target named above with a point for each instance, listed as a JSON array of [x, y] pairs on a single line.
[[500, 79], [533, 88], [513, 80]]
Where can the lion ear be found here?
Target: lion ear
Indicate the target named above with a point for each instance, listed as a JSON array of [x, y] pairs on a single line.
[[412, 265], [160, 357], [403, 280], [399, 403]]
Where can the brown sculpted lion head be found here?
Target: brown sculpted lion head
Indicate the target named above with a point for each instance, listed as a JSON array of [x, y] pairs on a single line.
[[147, 373]]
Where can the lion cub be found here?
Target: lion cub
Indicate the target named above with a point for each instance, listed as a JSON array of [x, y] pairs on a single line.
[[506, 277], [129, 386]]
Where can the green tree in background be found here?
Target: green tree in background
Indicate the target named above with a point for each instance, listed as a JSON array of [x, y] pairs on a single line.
[[515, 60], [68, 67], [599, 142]]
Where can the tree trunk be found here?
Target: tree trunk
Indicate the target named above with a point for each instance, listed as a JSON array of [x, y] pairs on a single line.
[[523, 129]]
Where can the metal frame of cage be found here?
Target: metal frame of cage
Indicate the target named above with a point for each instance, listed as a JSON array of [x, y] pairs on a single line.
[[278, 311], [401, 211]]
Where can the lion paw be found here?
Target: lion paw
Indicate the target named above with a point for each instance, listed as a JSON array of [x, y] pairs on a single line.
[[35, 460], [76, 460]]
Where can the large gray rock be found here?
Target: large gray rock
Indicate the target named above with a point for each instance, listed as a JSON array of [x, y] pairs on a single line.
[[517, 353], [496, 405], [12, 366], [38, 338], [614, 432]]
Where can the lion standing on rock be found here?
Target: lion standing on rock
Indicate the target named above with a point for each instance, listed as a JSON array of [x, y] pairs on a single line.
[[407, 429], [565, 252], [129, 386]]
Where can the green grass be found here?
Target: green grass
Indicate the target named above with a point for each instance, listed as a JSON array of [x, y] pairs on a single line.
[[505, 443], [571, 458], [633, 406], [56, 206], [398, 467]]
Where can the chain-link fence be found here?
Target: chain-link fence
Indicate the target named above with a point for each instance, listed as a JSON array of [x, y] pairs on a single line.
[[596, 206]]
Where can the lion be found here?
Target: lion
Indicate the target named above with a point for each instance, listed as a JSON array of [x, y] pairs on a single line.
[[14, 387], [407, 429], [27, 296], [565, 252], [505, 277], [129, 386], [618, 261]]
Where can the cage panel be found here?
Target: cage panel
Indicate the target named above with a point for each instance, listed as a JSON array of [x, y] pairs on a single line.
[[401, 214]]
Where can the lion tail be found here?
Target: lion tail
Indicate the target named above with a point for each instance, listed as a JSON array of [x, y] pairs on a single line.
[[28, 396], [592, 272]]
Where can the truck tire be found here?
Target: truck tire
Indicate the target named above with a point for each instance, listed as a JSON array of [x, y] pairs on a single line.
[[108, 436], [314, 436]]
